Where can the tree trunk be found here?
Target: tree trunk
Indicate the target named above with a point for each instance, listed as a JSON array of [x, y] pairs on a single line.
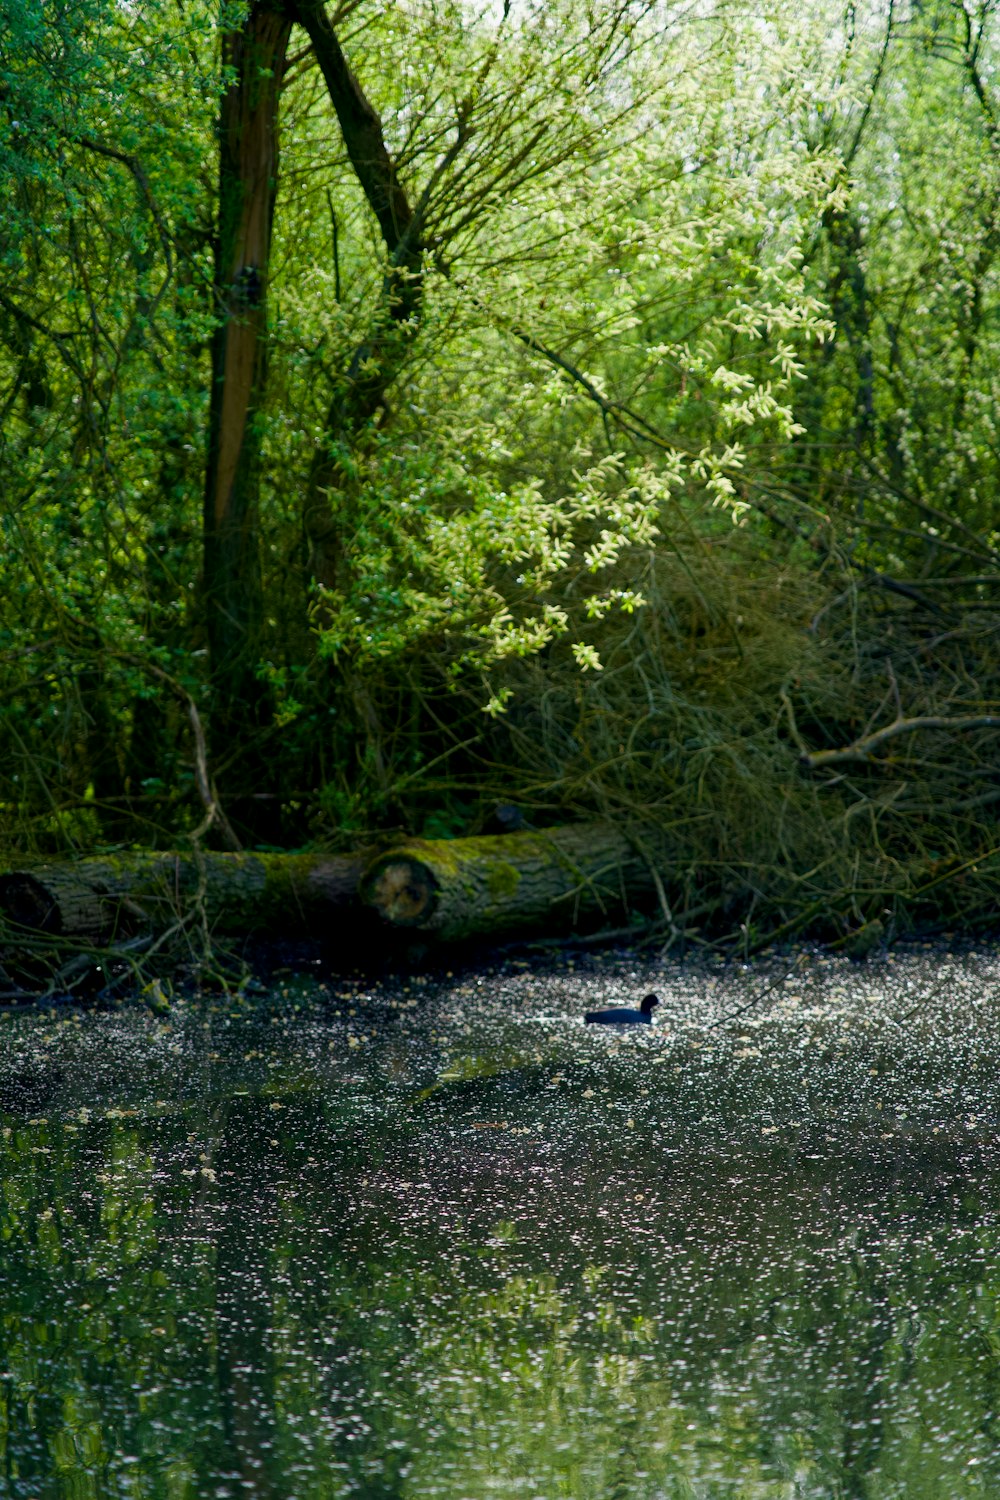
[[101, 900], [248, 171], [488, 887]]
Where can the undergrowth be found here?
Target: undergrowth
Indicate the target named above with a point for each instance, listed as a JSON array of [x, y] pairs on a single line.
[[695, 734]]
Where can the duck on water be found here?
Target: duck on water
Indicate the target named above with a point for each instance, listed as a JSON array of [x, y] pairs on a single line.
[[622, 1016]]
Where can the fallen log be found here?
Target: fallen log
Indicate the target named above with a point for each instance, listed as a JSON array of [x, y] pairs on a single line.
[[103, 899], [559, 880], [556, 880]]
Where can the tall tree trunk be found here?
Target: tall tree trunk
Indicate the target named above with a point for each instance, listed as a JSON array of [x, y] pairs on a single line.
[[851, 306], [248, 170]]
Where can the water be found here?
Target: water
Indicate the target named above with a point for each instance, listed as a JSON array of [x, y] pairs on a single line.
[[445, 1241]]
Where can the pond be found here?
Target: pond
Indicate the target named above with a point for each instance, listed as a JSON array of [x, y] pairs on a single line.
[[437, 1238]]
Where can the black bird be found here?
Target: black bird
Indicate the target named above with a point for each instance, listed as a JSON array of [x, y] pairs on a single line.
[[621, 1016]]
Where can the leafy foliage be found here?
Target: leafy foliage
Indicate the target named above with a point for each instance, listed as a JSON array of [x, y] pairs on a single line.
[[665, 271]]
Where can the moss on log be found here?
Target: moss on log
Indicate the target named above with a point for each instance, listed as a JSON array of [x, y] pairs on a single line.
[[105, 898], [453, 889], [556, 880]]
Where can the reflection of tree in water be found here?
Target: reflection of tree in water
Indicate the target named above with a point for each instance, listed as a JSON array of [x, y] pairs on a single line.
[[339, 1313], [244, 1302], [93, 1299], [798, 1304]]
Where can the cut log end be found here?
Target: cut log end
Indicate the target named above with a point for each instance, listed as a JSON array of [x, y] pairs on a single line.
[[402, 890], [470, 888], [26, 902]]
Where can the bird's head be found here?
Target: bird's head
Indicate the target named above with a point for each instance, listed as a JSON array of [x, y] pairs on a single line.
[[647, 1005]]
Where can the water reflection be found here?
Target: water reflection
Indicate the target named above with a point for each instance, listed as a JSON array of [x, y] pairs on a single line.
[[335, 1245]]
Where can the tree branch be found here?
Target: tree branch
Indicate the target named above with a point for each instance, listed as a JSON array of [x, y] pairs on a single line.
[[138, 172], [206, 787], [863, 748], [362, 131], [623, 416]]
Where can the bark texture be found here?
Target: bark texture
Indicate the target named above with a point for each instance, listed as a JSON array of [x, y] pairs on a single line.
[[101, 900], [248, 175]]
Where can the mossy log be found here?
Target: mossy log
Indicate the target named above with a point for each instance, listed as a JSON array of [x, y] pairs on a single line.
[[557, 880], [104, 899], [453, 889]]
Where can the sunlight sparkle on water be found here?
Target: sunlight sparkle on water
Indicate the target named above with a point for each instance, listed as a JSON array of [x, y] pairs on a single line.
[[440, 1239]]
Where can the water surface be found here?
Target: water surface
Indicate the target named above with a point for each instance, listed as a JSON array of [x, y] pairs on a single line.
[[344, 1239]]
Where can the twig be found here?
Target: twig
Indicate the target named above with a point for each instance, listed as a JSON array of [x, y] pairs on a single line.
[[761, 995], [206, 789], [863, 748], [75, 968], [138, 172], [800, 743]]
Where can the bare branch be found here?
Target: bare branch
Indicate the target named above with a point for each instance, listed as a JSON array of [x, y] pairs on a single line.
[[362, 132], [138, 172], [863, 748], [206, 787]]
